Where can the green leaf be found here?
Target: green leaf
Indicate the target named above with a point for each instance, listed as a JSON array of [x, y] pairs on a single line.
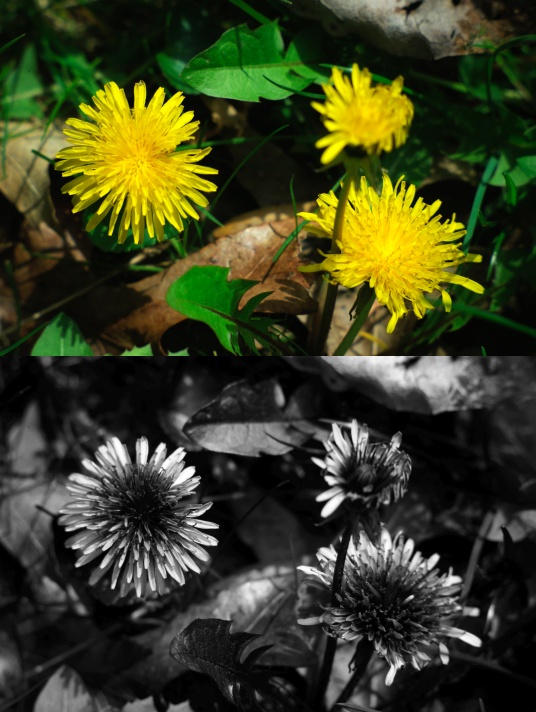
[[244, 63], [171, 68], [511, 190], [205, 294], [18, 343], [189, 30], [509, 163], [22, 85], [62, 337], [527, 165], [139, 351]]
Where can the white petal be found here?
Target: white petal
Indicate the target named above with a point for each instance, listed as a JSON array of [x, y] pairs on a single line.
[[309, 621], [328, 494], [432, 561], [83, 480], [174, 459], [444, 653], [332, 505], [183, 476], [319, 462], [462, 635], [390, 675], [142, 451], [158, 458]]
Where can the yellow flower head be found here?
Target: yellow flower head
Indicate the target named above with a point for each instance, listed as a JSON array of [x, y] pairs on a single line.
[[373, 119], [128, 158], [399, 249]]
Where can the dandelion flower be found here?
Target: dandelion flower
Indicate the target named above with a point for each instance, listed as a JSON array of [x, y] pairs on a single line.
[[363, 475], [394, 597], [132, 517], [359, 116], [128, 157], [400, 249]]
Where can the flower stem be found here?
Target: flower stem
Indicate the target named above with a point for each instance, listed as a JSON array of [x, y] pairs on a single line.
[[331, 643], [328, 295], [361, 659], [365, 300]]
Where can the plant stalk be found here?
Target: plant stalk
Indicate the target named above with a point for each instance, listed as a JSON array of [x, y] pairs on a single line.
[[331, 644], [361, 659], [365, 300], [328, 293]]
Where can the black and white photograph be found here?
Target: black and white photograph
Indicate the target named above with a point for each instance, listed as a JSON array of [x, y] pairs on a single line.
[[277, 535]]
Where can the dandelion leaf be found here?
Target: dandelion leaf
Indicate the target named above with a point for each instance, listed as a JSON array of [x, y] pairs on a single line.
[[62, 337], [207, 646], [205, 294], [249, 65]]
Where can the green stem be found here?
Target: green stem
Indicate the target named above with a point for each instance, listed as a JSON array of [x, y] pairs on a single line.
[[365, 300], [328, 296], [361, 660], [331, 643]]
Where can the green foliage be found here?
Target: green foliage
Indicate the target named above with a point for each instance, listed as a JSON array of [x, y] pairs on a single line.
[[22, 87], [252, 64], [205, 294], [61, 337], [108, 243]]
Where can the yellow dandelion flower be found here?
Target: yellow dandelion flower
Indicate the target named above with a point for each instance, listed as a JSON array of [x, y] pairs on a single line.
[[128, 157], [400, 249], [373, 119]]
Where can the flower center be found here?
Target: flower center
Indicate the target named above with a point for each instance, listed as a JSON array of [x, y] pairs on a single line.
[[363, 478], [141, 501], [385, 614]]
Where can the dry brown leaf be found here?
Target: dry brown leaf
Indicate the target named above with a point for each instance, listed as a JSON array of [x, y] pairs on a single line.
[[25, 182], [119, 318], [418, 385], [141, 314], [428, 29]]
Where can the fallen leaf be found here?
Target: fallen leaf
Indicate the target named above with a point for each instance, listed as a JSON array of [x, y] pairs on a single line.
[[25, 182], [66, 692], [138, 314], [416, 384], [253, 419], [427, 29], [25, 530], [253, 599]]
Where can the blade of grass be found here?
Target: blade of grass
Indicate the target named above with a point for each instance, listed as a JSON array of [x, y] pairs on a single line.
[[24, 338], [10, 43], [489, 170], [495, 318], [243, 163], [246, 7]]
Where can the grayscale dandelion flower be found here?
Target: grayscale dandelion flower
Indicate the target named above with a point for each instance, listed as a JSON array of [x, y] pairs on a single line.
[[394, 597], [133, 516], [363, 475]]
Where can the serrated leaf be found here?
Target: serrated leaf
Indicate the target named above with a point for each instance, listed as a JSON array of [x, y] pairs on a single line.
[[208, 646], [205, 294], [244, 64], [62, 337]]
